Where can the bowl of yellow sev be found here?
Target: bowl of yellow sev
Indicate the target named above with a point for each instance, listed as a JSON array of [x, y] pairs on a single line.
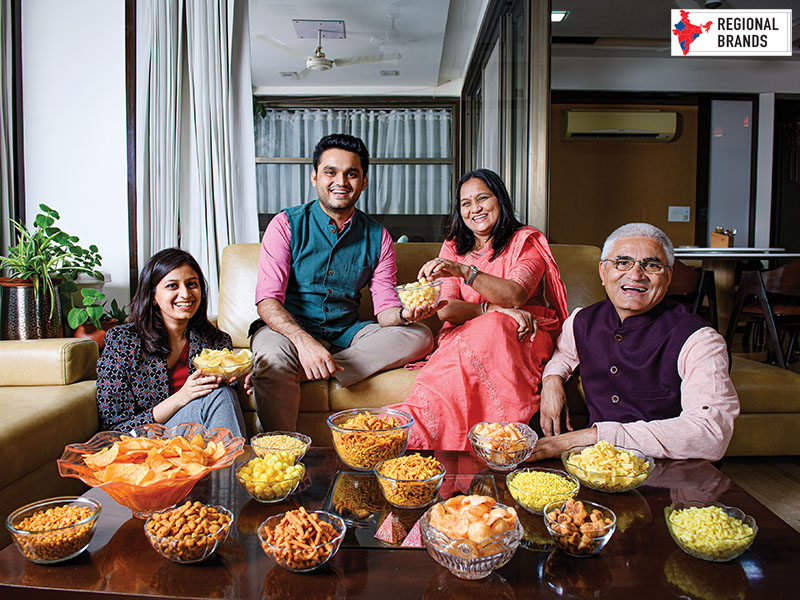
[[410, 481], [281, 441], [608, 468], [710, 530], [363, 437], [535, 487]]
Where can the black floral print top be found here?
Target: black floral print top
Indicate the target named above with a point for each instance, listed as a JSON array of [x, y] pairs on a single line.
[[131, 382]]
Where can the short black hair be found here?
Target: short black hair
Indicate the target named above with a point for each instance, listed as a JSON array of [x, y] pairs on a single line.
[[505, 226], [345, 142]]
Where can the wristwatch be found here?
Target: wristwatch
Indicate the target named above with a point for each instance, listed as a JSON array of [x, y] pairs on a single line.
[[403, 320], [473, 272]]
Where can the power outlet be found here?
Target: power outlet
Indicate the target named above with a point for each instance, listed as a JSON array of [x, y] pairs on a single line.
[[678, 214]]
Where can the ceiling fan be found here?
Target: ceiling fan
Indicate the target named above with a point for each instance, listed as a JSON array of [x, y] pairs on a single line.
[[318, 61]]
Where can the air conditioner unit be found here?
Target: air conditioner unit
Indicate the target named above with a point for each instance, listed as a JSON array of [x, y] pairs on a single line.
[[636, 125]]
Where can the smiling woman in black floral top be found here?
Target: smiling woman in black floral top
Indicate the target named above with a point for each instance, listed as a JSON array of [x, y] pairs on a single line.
[[145, 374]]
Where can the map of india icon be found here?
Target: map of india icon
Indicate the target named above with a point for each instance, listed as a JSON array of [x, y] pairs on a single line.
[[687, 32]]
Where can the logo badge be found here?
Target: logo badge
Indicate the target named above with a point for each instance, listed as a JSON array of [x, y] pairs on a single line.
[[731, 32]]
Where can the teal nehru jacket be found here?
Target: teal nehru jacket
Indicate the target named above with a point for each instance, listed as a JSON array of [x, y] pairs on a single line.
[[329, 270]]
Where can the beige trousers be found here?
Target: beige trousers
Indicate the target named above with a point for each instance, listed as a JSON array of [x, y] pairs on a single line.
[[278, 372]]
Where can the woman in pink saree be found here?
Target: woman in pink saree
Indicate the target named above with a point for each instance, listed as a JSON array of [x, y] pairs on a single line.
[[505, 306]]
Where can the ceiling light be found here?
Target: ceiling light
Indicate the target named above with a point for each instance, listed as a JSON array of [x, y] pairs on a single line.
[[390, 73], [557, 16], [289, 75]]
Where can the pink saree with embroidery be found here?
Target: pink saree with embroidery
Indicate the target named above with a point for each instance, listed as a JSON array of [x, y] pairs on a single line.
[[480, 371]]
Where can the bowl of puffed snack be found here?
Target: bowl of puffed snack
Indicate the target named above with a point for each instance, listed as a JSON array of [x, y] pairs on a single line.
[[292, 442], [502, 445], [535, 487], [608, 468], [410, 481], [271, 478], [190, 532], [224, 363], [419, 293], [710, 530], [53, 530], [579, 528], [363, 437], [302, 541], [471, 536]]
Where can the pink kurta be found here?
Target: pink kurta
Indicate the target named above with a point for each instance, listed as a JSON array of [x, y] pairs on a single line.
[[480, 371]]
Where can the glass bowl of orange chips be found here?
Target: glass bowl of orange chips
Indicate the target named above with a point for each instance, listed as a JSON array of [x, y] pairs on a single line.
[[155, 467]]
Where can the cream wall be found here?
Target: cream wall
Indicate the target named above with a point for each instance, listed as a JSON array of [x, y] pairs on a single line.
[[73, 65]]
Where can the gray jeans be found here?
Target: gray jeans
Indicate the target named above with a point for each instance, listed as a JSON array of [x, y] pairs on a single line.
[[278, 372], [218, 408]]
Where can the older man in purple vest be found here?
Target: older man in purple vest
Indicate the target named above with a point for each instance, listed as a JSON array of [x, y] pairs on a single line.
[[654, 375], [315, 259]]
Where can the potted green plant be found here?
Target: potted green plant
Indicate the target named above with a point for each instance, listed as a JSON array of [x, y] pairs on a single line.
[[40, 260], [92, 319]]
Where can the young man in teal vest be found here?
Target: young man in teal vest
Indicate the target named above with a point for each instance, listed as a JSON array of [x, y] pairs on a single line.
[[315, 259]]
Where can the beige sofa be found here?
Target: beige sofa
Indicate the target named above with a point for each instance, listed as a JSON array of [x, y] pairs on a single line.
[[770, 397], [47, 400]]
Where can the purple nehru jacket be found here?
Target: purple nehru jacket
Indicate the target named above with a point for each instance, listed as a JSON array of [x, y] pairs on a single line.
[[629, 370]]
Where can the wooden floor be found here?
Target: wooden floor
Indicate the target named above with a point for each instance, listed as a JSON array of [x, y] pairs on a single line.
[[772, 480]]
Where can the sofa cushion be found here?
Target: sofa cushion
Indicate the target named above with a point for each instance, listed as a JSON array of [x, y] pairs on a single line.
[[388, 387], [578, 266], [56, 361], [237, 291], [38, 423], [763, 388]]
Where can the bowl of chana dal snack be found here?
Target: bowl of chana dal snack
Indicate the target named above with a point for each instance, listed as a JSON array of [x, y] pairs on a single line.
[[53, 530], [502, 445], [190, 532], [302, 541], [410, 481], [579, 528], [271, 478], [224, 363], [535, 487], [471, 536], [710, 530], [363, 437], [281, 441], [608, 468], [419, 293]]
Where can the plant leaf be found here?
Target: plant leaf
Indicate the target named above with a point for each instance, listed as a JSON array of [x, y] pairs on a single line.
[[76, 317]]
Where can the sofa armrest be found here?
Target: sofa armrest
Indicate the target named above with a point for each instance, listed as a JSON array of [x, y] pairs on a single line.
[[56, 361]]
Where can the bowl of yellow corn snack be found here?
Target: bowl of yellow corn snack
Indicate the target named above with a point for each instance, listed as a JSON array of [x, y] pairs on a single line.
[[419, 293], [535, 487], [608, 468], [710, 530]]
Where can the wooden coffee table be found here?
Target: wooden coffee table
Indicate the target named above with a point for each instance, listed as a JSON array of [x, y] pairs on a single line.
[[640, 561]]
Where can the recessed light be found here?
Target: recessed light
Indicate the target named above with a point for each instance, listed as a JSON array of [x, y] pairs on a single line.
[[390, 73], [556, 16], [289, 75]]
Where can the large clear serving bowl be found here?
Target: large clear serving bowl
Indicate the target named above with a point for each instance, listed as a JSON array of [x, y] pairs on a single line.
[[362, 449], [719, 548], [466, 559], [146, 499], [503, 459], [606, 482]]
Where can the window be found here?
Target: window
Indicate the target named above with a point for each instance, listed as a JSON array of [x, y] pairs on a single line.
[[411, 161]]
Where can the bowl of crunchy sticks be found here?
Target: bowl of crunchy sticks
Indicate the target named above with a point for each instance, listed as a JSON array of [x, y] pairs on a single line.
[[363, 437], [411, 481], [302, 541]]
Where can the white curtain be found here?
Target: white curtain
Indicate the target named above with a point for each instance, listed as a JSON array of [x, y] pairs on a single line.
[[397, 133], [196, 131], [6, 125]]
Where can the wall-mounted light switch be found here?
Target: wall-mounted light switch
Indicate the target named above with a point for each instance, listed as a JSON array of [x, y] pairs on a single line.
[[678, 214]]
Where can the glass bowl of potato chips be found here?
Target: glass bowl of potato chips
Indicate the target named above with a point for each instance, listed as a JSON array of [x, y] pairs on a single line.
[[419, 293], [608, 468], [710, 530], [152, 468], [224, 363], [502, 445]]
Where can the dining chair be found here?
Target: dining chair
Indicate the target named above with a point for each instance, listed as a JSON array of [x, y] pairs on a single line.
[[771, 297], [692, 287]]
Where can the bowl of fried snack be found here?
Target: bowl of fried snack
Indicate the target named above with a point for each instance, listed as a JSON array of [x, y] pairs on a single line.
[[410, 481], [271, 478], [363, 437], [281, 441], [54, 530], [579, 528], [535, 487], [608, 468], [710, 530], [471, 536], [302, 541], [502, 445], [224, 363], [154, 467], [190, 532], [418, 294]]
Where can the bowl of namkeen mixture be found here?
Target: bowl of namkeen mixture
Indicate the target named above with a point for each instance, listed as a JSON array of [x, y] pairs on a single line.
[[419, 293], [281, 441], [302, 541], [608, 468], [224, 363], [471, 536], [710, 530], [410, 481], [363, 437], [502, 445]]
